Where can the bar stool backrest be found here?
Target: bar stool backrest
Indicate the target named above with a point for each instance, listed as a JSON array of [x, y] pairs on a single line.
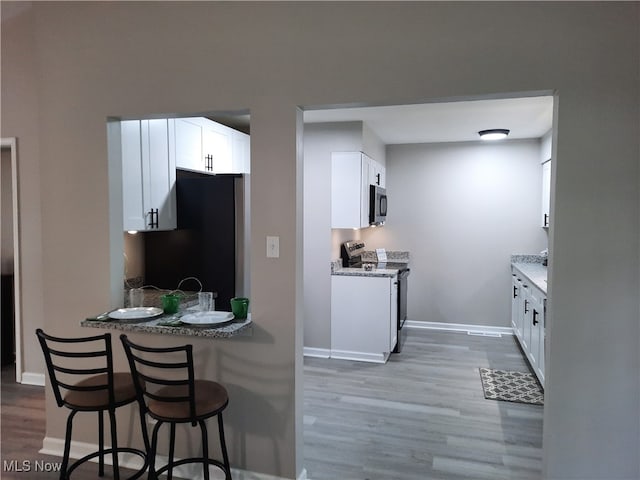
[[152, 373], [71, 360]]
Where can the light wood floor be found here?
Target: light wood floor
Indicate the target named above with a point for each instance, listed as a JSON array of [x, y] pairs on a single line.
[[421, 416]]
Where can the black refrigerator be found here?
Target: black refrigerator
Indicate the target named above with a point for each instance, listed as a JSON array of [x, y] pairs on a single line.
[[204, 245]]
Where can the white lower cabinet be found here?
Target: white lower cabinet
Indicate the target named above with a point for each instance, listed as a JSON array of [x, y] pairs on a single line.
[[516, 305], [364, 317], [528, 305], [537, 336]]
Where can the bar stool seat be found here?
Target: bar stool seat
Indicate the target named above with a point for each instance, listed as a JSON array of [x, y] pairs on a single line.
[[82, 379], [123, 389], [174, 396], [209, 397]]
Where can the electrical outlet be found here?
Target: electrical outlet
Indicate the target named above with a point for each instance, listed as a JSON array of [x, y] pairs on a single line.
[[273, 247]]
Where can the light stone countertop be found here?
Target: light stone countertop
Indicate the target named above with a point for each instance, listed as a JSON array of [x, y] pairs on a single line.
[[226, 330], [535, 272], [371, 257], [151, 325], [361, 272]]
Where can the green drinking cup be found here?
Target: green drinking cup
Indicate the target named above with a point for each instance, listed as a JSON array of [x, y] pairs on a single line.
[[240, 307], [170, 303]]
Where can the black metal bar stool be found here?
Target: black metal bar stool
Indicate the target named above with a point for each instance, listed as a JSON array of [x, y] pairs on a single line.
[[82, 378], [177, 398]]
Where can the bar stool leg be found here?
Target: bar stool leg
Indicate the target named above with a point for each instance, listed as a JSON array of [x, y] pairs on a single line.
[[152, 452], [205, 449], [67, 446], [223, 446], [172, 444], [145, 433], [114, 444], [101, 443]]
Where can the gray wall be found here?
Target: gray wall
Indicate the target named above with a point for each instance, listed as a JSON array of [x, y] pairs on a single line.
[[20, 119], [66, 67], [462, 209], [319, 141], [321, 243]]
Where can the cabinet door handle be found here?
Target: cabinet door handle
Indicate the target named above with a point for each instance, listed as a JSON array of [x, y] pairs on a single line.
[[535, 314], [377, 179], [546, 219], [208, 162], [515, 291], [153, 221], [526, 306]]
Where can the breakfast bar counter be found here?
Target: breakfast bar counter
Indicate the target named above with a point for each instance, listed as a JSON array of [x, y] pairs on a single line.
[[171, 325]]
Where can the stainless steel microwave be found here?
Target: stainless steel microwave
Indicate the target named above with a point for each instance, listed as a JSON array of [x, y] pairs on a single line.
[[377, 205]]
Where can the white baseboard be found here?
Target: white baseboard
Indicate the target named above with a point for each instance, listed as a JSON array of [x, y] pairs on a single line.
[[316, 352], [484, 330], [30, 378], [55, 446], [359, 356]]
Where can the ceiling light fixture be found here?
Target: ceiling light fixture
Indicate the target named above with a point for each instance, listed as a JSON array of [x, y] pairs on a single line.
[[493, 133]]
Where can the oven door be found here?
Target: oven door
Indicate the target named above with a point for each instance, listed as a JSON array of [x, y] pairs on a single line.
[[403, 276]]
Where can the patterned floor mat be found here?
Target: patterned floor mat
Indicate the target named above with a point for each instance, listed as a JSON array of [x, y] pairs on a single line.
[[511, 386]]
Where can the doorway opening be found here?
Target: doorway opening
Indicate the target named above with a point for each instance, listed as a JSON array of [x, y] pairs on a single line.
[[157, 164], [10, 263], [398, 128]]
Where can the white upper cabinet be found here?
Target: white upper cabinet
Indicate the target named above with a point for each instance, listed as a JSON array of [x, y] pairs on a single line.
[[148, 175], [546, 151], [241, 148], [209, 147], [350, 176], [546, 193], [188, 143], [377, 174], [216, 148], [546, 146]]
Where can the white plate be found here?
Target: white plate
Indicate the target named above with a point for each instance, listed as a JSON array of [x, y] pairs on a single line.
[[135, 312], [207, 318]]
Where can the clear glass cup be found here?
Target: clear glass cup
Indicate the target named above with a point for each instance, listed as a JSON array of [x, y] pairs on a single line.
[[136, 297], [205, 301]]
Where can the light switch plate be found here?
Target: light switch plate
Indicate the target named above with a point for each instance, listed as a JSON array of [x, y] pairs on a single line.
[[273, 247]]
